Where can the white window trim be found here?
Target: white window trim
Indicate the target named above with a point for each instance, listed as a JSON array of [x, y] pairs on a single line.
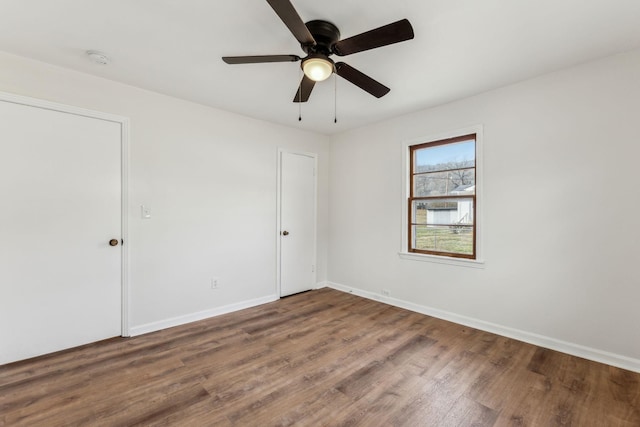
[[441, 259]]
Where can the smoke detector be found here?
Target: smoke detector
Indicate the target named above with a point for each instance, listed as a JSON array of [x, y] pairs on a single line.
[[98, 57]]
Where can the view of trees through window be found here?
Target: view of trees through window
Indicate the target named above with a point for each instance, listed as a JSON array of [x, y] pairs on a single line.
[[442, 197]]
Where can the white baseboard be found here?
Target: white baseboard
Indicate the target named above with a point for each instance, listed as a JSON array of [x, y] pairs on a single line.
[[321, 285], [596, 355], [200, 315]]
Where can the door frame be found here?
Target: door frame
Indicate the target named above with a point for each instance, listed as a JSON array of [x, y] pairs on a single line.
[[314, 156], [124, 182]]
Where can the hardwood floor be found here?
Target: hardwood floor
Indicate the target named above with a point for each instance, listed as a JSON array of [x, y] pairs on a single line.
[[322, 358]]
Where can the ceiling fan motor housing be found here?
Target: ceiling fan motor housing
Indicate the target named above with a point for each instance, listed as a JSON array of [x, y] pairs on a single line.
[[325, 34]]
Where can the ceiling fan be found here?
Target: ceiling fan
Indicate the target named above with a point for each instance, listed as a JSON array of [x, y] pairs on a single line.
[[321, 39]]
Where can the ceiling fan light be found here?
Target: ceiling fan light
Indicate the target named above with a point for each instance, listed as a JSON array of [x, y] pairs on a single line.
[[317, 68]]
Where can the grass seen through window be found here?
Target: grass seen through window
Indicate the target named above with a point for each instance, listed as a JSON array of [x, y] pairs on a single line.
[[453, 239]]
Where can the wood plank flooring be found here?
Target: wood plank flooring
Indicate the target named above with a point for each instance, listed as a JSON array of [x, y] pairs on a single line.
[[321, 358]]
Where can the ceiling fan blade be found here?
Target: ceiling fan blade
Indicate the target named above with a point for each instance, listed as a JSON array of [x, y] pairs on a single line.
[[361, 80], [392, 33], [285, 10], [259, 59], [304, 90]]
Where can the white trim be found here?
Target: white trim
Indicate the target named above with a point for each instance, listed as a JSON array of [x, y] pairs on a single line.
[[278, 218], [463, 262], [578, 350], [54, 106], [124, 180], [403, 254], [314, 156], [126, 296], [200, 315], [321, 285]]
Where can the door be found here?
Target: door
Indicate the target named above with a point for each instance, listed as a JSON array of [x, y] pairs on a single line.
[[297, 228], [60, 187]]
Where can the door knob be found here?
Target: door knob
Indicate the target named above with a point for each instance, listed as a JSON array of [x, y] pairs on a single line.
[[113, 242], [285, 233]]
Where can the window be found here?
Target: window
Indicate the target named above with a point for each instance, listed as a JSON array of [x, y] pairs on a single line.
[[442, 198]]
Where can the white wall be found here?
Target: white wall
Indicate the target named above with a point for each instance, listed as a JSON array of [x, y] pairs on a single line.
[[565, 142], [209, 178]]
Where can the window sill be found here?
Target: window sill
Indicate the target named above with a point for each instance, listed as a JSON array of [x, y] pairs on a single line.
[[462, 262]]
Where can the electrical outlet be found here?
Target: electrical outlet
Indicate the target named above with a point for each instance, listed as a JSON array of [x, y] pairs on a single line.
[[385, 292], [214, 283]]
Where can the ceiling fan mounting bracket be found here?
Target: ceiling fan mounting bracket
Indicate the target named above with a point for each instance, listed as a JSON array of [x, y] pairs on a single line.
[[325, 34]]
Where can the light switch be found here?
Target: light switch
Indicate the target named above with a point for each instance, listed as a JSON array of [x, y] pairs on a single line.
[[146, 212]]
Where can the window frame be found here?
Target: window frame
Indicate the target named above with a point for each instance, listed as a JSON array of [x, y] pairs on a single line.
[[412, 198], [407, 178]]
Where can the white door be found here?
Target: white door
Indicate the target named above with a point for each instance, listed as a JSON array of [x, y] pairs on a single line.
[[60, 205], [297, 233]]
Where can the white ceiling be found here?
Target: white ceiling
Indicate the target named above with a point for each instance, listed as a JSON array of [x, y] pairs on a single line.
[[461, 48]]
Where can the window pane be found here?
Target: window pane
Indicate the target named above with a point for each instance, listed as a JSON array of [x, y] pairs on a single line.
[[445, 157], [452, 239], [458, 181], [443, 211], [419, 212]]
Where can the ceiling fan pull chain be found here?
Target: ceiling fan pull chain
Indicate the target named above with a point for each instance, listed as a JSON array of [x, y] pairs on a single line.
[[335, 98], [300, 101]]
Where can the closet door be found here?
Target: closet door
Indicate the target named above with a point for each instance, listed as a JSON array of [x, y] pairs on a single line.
[[60, 221], [297, 222]]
